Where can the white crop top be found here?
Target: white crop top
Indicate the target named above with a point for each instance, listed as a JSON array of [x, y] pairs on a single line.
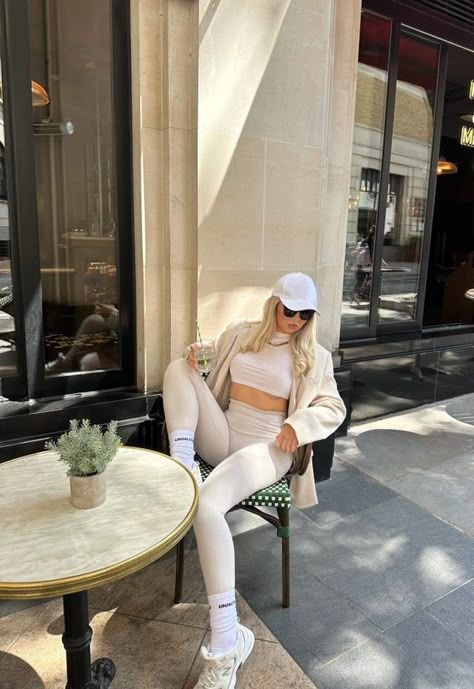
[[270, 370]]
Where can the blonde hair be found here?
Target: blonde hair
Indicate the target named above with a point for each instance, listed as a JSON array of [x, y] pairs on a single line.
[[302, 344]]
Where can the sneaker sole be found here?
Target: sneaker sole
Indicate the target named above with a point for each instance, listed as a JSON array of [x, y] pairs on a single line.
[[247, 651]]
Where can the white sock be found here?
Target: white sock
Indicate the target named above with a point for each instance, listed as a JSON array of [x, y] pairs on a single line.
[[223, 622], [182, 446]]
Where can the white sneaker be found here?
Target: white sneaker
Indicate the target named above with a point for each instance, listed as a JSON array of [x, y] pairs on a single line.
[[220, 670], [197, 473]]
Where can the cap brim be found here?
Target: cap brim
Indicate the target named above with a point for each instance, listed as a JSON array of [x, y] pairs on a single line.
[[299, 305]]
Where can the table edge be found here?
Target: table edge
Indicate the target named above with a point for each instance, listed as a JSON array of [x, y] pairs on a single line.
[[82, 582]]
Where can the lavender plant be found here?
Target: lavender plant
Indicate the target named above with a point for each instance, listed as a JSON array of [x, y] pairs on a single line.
[[85, 448]]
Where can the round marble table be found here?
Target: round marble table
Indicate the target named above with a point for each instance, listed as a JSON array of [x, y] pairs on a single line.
[[49, 548]]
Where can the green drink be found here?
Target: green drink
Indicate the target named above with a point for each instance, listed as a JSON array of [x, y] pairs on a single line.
[[205, 353]]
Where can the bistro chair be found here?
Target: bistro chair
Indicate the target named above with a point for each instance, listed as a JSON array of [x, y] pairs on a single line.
[[277, 495]]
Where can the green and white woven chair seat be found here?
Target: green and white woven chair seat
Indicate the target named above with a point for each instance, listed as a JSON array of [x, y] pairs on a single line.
[[276, 495]]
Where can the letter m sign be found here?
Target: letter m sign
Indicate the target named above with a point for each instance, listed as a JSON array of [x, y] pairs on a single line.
[[467, 136]]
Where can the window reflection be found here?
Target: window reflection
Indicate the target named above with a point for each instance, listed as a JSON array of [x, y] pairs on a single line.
[[409, 177], [71, 57], [7, 320], [366, 166]]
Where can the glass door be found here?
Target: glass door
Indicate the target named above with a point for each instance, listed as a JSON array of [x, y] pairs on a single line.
[[450, 285], [410, 170], [66, 234], [394, 157], [71, 49], [363, 204]]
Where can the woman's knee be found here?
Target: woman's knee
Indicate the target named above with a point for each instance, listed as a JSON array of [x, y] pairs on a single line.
[[94, 323], [176, 370], [207, 513], [215, 497]]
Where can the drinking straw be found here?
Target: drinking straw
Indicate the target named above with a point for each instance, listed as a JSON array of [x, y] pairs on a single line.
[[199, 333], [203, 353]]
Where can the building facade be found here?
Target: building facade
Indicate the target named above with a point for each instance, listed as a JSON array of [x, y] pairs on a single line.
[[163, 162]]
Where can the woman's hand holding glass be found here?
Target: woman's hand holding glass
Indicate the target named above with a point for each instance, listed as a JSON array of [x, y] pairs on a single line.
[[201, 355], [191, 357], [286, 440]]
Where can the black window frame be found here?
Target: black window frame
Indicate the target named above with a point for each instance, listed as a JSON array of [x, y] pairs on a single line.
[[30, 380], [408, 19]]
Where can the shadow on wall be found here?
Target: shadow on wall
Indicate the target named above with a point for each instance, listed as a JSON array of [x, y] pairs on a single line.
[[226, 99], [260, 178], [221, 307]]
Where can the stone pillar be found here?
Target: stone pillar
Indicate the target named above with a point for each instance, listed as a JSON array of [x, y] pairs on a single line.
[[165, 38], [332, 233]]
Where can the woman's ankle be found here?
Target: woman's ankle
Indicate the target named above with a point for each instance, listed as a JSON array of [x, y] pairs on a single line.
[[182, 446], [224, 622]]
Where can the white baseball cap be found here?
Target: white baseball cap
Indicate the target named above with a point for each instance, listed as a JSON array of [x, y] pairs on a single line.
[[297, 292]]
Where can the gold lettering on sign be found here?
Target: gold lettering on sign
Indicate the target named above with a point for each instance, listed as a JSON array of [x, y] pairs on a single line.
[[471, 90], [467, 136]]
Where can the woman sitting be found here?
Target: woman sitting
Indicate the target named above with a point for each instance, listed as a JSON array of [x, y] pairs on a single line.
[[270, 395]]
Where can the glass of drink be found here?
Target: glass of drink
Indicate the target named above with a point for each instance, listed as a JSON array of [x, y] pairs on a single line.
[[205, 353]]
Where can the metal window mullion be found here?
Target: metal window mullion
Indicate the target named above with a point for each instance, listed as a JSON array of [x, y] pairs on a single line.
[[25, 251], [122, 108], [431, 197], [384, 174]]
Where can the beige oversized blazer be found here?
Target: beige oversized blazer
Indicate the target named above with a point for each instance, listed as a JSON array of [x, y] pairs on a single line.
[[315, 409]]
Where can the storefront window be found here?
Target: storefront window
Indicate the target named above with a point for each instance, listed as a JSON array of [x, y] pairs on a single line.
[[409, 178], [450, 285], [7, 320], [396, 127], [71, 50], [372, 76]]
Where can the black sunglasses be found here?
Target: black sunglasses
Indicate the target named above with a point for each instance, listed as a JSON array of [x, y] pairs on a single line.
[[304, 315]]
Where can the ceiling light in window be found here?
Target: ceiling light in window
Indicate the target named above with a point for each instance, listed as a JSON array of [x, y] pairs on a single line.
[[445, 167], [39, 95]]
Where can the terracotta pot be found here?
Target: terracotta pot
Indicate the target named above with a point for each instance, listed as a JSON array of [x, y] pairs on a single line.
[[87, 491]]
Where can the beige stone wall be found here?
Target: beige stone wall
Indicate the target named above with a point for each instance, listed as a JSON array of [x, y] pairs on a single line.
[[261, 187], [276, 105], [164, 37], [332, 230]]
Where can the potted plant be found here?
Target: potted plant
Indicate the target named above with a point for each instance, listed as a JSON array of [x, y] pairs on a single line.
[[87, 451]]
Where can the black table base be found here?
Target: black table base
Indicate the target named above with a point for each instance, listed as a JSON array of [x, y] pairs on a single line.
[[77, 642]]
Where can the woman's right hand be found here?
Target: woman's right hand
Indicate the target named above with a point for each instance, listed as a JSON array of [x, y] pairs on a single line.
[[191, 357]]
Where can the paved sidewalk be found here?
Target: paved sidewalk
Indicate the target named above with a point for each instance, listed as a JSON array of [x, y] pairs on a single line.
[[382, 569], [382, 581], [154, 643]]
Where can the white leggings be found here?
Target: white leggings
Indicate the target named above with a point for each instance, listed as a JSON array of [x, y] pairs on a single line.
[[242, 436]]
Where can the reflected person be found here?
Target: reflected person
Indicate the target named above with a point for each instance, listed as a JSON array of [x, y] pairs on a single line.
[[95, 344]]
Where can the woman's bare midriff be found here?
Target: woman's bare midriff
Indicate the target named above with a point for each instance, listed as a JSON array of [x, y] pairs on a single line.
[[257, 398]]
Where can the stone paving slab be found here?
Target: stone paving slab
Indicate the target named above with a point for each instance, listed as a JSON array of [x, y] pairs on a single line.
[[419, 653]]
